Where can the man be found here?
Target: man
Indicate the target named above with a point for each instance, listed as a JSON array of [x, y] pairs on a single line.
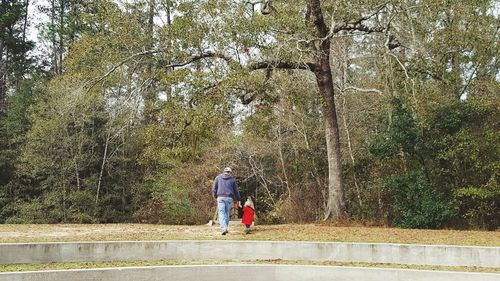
[[225, 191]]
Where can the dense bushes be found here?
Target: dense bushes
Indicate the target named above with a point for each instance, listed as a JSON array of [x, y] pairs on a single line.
[[418, 204], [447, 168], [437, 169]]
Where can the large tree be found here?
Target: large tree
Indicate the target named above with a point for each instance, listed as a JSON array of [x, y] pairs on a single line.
[[317, 39], [265, 35]]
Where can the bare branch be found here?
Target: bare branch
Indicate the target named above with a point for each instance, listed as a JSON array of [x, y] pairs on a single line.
[[282, 31], [201, 56], [307, 16], [92, 82], [253, 3], [427, 72], [401, 64], [193, 58], [363, 90], [357, 24]]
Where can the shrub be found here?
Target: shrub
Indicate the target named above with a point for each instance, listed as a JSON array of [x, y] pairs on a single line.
[[480, 206], [28, 212], [418, 204], [167, 203]]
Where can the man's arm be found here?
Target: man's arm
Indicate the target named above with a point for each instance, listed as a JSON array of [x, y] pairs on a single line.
[[236, 192], [215, 187]]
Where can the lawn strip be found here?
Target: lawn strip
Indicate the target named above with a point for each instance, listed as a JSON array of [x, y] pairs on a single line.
[[288, 232], [89, 265]]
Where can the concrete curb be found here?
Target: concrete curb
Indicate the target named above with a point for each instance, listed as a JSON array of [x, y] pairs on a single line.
[[249, 250], [250, 272]]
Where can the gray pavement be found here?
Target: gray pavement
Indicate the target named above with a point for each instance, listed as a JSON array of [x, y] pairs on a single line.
[[248, 272]]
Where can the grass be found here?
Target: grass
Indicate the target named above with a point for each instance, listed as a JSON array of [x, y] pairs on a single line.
[[291, 232], [87, 265]]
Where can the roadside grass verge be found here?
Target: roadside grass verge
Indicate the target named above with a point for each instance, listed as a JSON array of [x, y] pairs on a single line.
[[88, 265], [291, 232]]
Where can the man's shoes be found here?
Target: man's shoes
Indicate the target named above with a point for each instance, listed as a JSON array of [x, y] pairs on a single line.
[[224, 232], [247, 231]]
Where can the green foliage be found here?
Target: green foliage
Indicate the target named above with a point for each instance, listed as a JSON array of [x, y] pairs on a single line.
[[480, 206], [168, 203], [403, 133], [456, 152], [417, 203], [28, 212], [13, 127], [466, 154], [14, 48], [463, 139], [282, 153]]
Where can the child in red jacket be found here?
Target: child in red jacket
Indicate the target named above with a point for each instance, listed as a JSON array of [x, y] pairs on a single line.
[[248, 214]]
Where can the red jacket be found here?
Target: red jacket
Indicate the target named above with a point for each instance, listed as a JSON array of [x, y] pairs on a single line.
[[248, 214]]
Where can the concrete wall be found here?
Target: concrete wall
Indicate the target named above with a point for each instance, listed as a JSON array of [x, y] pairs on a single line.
[[250, 250], [248, 272]]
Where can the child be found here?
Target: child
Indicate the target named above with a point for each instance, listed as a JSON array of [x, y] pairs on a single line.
[[248, 214]]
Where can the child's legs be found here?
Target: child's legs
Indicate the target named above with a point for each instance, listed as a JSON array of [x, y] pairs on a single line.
[[247, 230]]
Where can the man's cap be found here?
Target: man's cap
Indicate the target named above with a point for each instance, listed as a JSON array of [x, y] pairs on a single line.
[[227, 169]]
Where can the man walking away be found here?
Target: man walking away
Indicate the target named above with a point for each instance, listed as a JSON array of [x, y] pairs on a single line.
[[225, 191]]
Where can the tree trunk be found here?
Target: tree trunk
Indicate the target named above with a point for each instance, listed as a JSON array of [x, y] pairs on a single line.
[[102, 168], [169, 17], [149, 93], [25, 24], [323, 72], [3, 75], [151, 16], [61, 35], [336, 204], [345, 68], [55, 71], [349, 146], [3, 94]]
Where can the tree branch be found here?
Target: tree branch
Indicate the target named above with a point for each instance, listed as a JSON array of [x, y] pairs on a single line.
[[253, 3], [357, 24], [363, 90], [201, 56], [92, 82], [282, 65]]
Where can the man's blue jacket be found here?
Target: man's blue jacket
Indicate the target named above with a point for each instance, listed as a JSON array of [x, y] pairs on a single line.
[[225, 186]]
